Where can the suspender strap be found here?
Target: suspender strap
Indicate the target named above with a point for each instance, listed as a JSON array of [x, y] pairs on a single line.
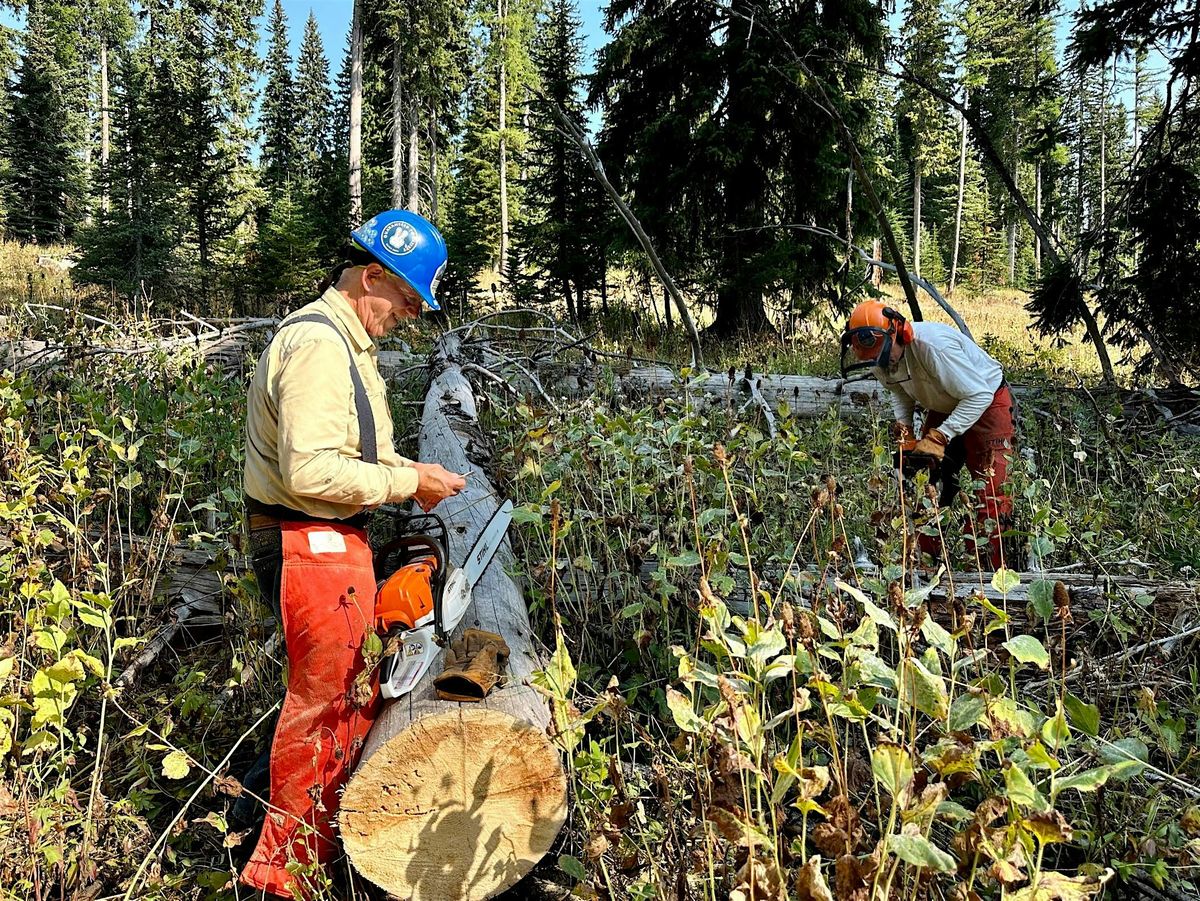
[[362, 405]]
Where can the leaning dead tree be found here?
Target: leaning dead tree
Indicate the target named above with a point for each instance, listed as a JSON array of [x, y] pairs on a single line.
[[571, 131], [460, 800]]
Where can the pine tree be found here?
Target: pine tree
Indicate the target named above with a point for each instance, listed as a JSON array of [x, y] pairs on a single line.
[[280, 112], [129, 246], [45, 180], [485, 204], [706, 131], [924, 126], [560, 239]]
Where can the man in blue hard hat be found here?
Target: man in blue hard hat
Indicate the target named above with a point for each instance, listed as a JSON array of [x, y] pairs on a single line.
[[319, 457]]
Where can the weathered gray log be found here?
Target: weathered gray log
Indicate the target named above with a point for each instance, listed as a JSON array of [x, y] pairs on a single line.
[[804, 395], [459, 800]]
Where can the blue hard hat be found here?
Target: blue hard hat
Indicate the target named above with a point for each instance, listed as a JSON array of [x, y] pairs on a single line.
[[408, 245]]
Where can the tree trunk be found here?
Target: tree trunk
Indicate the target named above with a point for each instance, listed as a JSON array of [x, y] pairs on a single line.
[[876, 272], [666, 308], [581, 303], [916, 225], [356, 101], [604, 279], [104, 124], [433, 166], [1103, 147], [1037, 245], [569, 300], [958, 205], [1012, 225], [459, 800], [414, 155], [397, 125], [500, 10]]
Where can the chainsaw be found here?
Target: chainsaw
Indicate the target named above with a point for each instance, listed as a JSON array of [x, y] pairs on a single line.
[[419, 600]]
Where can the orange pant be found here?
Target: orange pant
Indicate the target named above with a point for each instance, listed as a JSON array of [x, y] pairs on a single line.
[[984, 449], [327, 599]]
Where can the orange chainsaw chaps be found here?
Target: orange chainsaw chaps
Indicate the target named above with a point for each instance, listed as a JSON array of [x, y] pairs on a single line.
[[326, 594], [406, 595]]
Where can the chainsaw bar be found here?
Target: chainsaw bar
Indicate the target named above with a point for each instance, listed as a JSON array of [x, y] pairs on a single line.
[[418, 647]]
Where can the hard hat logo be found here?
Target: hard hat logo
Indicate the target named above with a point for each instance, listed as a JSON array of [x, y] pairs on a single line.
[[399, 237]]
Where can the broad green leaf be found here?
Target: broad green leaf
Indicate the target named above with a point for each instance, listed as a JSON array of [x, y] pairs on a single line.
[[1090, 780], [681, 709], [1131, 751], [1020, 790], [1005, 580], [893, 768], [69, 669], [783, 665], [572, 866], [6, 668], [176, 765], [527, 514], [1041, 598], [97, 619], [966, 711], [1084, 716], [920, 852], [923, 690], [687, 558], [762, 644], [1055, 731], [372, 645], [952, 810], [937, 636], [1027, 649], [874, 671]]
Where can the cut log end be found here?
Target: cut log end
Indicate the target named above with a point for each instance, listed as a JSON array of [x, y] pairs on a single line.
[[460, 805]]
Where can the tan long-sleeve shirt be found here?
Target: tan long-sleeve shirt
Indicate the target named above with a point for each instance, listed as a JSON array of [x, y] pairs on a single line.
[[303, 448]]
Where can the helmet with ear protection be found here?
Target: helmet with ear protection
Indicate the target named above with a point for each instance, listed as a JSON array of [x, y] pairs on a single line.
[[870, 333]]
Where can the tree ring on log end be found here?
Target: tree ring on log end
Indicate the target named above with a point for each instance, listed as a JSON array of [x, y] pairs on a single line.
[[461, 804]]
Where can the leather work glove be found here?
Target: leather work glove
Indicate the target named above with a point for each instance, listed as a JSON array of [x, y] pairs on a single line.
[[474, 664], [933, 444], [901, 431]]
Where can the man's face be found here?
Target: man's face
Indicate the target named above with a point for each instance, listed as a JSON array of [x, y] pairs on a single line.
[[387, 299]]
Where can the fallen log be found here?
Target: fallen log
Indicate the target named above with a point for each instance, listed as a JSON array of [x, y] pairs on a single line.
[[804, 395], [1173, 604], [459, 800]]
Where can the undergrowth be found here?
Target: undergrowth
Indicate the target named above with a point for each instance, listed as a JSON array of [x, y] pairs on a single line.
[[760, 698], [745, 709]]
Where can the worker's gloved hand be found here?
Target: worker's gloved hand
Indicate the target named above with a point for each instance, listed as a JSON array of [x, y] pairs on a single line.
[[901, 431], [932, 444], [474, 664]]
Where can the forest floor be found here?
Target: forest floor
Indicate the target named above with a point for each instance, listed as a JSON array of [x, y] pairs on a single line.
[[838, 733]]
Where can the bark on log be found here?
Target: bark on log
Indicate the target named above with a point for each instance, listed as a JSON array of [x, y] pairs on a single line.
[[459, 800]]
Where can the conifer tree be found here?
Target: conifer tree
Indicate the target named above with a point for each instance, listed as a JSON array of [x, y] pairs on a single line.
[[45, 180], [560, 238], [279, 115]]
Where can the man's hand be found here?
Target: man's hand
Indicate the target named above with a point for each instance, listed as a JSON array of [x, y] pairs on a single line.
[[435, 483], [933, 444], [901, 431]]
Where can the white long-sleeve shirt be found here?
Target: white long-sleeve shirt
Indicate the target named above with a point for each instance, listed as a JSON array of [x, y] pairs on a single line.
[[942, 371]]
